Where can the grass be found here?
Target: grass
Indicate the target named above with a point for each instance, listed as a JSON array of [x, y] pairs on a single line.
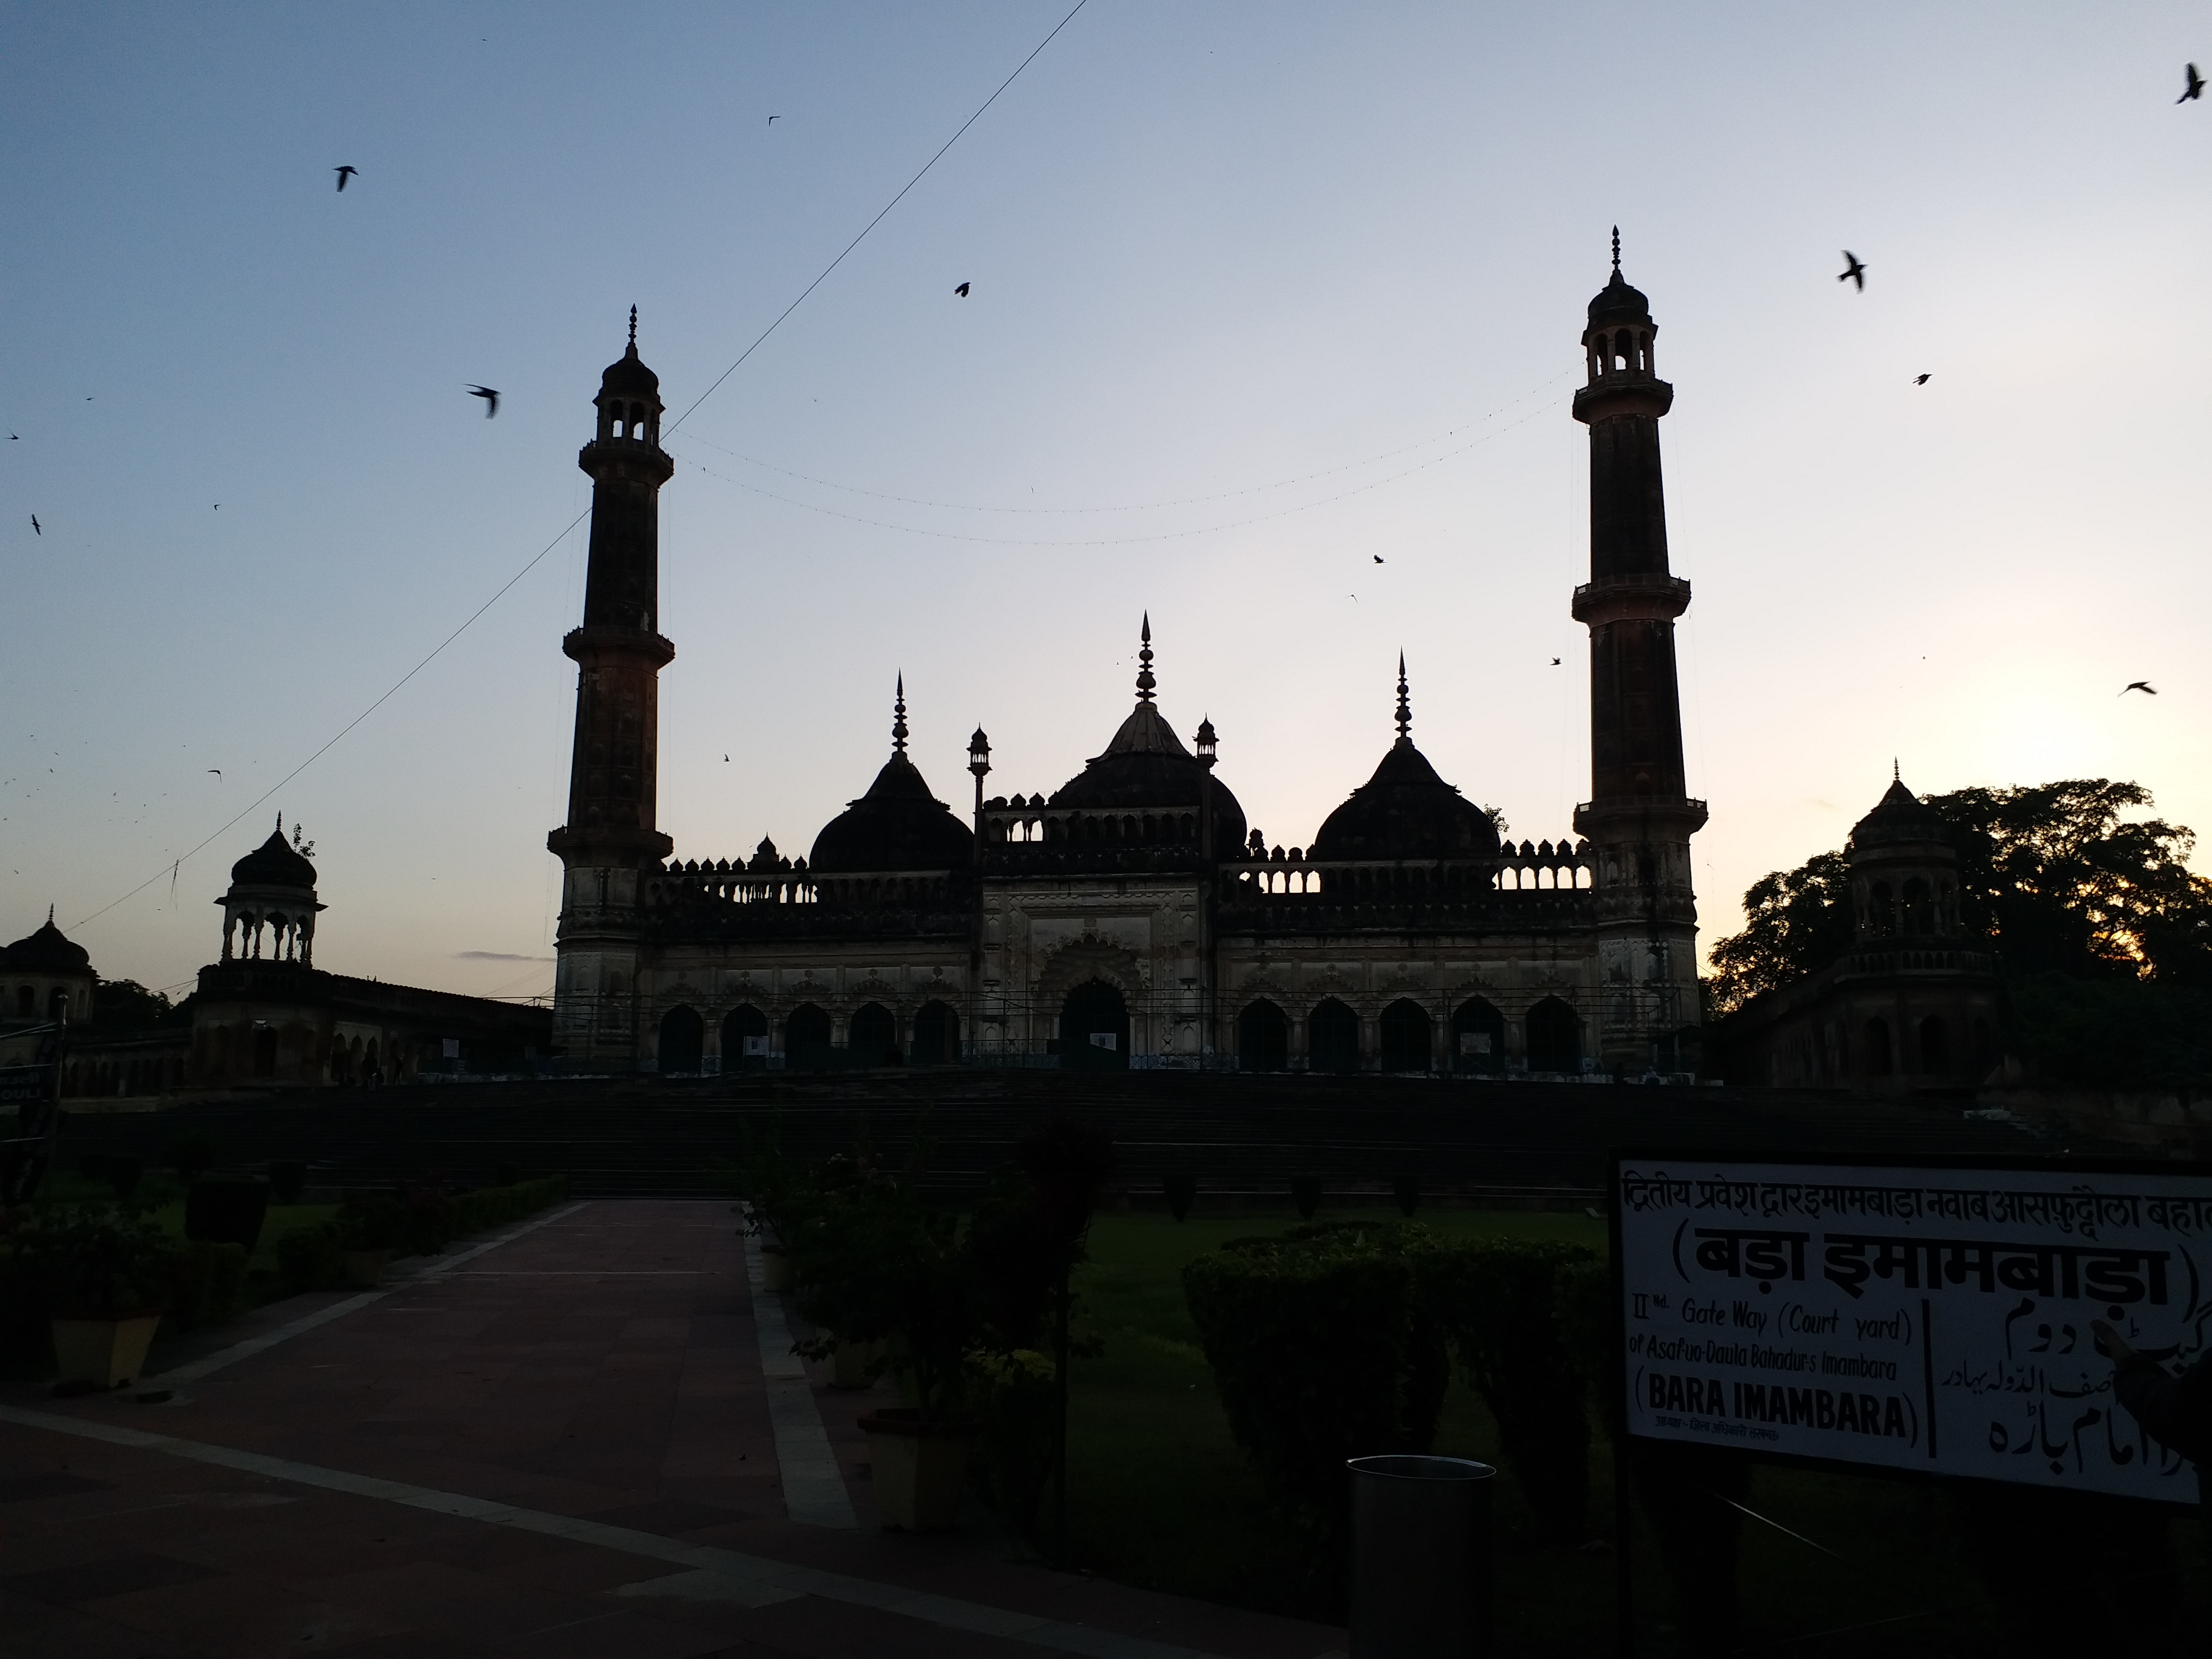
[[1159, 1496]]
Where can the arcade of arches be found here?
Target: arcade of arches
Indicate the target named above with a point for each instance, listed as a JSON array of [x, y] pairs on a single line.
[[1472, 1038]]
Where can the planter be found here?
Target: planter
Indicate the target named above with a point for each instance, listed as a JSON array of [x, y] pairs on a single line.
[[105, 1352], [918, 1473], [848, 1367], [364, 1269], [775, 1268]]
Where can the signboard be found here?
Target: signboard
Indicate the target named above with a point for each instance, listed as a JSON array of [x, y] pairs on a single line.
[[1925, 1317]]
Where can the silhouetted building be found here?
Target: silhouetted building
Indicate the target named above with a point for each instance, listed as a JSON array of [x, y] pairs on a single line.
[[1130, 917], [1913, 1003], [45, 977]]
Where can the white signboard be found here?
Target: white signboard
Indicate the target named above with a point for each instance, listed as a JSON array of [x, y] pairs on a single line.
[[1924, 1318]]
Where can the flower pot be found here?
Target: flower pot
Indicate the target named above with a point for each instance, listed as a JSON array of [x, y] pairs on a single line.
[[105, 1352], [918, 1473], [848, 1367], [775, 1268], [364, 1269]]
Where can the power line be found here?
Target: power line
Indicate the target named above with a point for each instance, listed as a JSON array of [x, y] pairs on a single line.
[[1141, 507], [873, 222]]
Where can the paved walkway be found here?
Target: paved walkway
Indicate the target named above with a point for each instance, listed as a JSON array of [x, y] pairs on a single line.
[[561, 1445]]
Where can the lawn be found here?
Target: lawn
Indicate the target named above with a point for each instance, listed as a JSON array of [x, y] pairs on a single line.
[[1159, 1495]]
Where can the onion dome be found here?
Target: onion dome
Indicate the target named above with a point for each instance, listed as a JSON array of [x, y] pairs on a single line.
[[49, 950], [1405, 810], [1616, 301], [1146, 766], [627, 374], [1898, 817], [899, 824], [274, 864]]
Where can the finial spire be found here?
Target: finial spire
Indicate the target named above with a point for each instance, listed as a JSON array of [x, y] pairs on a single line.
[[1895, 776], [1144, 680], [1405, 704], [633, 310], [898, 718], [50, 915], [1616, 255], [280, 820]]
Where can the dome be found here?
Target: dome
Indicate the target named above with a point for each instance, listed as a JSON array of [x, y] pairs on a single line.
[[628, 377], [1617, 302], [1898, 816], [1406, 811], [49, 950], [898, 825], [274, 864]]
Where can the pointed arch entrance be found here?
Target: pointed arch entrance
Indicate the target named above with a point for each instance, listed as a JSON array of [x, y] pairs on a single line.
[[1094, 1029], [682, 1035]]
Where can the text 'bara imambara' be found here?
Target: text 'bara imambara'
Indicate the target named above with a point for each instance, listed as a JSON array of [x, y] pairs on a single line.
[[1124, 919]]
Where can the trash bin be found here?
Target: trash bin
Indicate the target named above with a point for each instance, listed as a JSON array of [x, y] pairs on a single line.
[[1421, 1558]]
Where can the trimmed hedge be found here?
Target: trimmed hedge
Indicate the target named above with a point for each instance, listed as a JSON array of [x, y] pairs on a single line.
[[417, 1222]]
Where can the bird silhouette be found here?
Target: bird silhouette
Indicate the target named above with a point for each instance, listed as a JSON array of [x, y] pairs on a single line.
[[1377, 557], [1920, 379], [772, 120], [2144, 686], [36, 529], [961, 290], [217, 771], [1555, 662], [490, 397], [343, 175], [1853, 270], [2194, 89], [12, 438]]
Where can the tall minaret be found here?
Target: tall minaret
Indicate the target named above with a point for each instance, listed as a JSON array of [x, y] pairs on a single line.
[[1639, 817], [610, 839]]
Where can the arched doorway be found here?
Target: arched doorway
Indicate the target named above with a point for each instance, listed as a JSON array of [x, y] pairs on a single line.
[[682, 1036], [1555, 1038], [1935, 1046], [744, 1040], [1094, 1029], [1406, 1034], [1263, 1038], [806, 1038], [1877, 1047], [1477, 1038], [264, 1051], [873, 1039], [1332, 1037], [936, 1034]]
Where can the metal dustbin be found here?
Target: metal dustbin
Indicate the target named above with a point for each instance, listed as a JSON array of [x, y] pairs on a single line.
[[1421, 1558]]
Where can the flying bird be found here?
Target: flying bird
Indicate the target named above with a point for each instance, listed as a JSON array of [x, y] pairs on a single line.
[[2195, 88], [12, 438], [961, 290], [1853, 270], [1920, 379], [490, 397], [1555, 662], [772, 120], [343, 175], [217, 771], [36, 529], [2144, 686], [1377, 557]]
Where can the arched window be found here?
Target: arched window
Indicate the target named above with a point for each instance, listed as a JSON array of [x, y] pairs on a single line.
[[1985, 1050], [936, 1034], [264, 1051], [1407, 1030], [873, 1038], [1919, 914], [806, 1038], [1094, 1029], [1935, 1046], [1555, 1039], [1878, 1061], [1881, 910], [27, 1003], [683, 1034], [1477, 1038], [745, 1039], [1332, 1037], [1263, 1038]]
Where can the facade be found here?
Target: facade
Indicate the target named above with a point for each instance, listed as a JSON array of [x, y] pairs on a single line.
[[1912, 1004], [45, 977], [1129, 917]]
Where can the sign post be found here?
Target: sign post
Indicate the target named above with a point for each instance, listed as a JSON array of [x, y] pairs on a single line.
[[34, 1093]]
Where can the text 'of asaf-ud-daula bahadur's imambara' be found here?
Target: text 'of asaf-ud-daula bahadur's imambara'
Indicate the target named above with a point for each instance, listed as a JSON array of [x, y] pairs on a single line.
[[1127, 918]]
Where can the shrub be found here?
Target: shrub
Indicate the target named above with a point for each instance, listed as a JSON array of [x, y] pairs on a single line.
[[226, 1211], [207, 1279], [287, 1178], [311, 1258], [1016, 1405], [1181, 1190], [91, 1261], [1321, 1351], [190, 1153], [1518, 1314], [1305, 1193]]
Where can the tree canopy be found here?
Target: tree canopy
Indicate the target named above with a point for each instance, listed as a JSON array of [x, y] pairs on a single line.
[[124, 1005]]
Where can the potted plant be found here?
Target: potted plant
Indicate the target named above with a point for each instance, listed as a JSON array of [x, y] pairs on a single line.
[[106, 1279]]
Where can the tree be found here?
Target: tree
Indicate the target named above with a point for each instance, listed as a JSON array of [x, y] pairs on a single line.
[[124, 1005], [1795, 922]]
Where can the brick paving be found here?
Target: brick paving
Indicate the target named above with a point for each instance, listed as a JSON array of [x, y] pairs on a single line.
[[590, 1396]]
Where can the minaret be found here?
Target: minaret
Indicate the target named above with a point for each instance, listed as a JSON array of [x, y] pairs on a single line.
[[1639, 817], [610, 839]]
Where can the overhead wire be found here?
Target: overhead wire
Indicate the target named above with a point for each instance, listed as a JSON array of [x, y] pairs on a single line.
[[533, 562]]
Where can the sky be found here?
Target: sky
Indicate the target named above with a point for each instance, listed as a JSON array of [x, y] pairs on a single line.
[[1259, 294]]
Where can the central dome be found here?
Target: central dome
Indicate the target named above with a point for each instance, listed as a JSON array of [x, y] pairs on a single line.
[[274, 864], [1405, 810], [898, 825]]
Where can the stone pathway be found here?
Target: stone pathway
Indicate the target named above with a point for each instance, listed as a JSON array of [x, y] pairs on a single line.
[[563, 1444]]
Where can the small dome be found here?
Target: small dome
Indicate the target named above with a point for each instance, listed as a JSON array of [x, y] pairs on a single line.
[[1898, 816], [898, 825], [274, 864], [628, 377], [1617, 302], [1146, 765], [49, 950], [1405, 810]]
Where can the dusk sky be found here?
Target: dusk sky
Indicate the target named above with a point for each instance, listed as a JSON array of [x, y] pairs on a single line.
[[1259, 292]]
